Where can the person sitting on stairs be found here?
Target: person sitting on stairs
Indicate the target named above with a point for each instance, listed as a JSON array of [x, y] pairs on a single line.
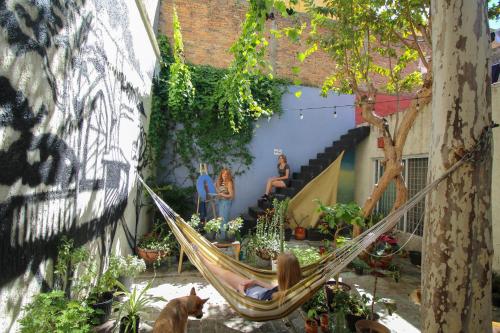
[[283, 176]]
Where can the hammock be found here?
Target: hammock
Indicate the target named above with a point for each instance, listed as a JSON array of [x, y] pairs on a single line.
[[314, 275]]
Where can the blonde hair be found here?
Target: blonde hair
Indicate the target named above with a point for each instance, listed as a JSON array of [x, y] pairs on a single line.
[[288, 272]]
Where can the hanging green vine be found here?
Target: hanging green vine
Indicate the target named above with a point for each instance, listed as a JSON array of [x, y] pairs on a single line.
[[199, 132], [181, 91]]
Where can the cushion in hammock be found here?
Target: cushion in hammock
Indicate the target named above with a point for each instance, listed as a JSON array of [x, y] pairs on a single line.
[[260, 293]]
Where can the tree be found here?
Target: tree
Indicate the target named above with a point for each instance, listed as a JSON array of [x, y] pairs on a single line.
[[377, 41], [457, 236]]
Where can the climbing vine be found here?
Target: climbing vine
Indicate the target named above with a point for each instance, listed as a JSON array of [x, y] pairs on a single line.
[[181, 91], [200, 131]]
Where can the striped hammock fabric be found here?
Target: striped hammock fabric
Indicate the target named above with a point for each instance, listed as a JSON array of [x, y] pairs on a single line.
[[314, 275]]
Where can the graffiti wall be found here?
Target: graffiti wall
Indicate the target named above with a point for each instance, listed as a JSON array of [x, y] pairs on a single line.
[[75, 81]]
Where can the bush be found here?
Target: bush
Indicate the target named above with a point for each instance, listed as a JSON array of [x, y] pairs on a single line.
[[52, 312]]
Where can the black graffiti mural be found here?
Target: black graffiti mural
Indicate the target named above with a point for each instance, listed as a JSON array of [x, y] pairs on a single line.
[[66, 157]]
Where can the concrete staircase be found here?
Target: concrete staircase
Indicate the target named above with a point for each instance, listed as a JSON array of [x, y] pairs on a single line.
[[307, 173]]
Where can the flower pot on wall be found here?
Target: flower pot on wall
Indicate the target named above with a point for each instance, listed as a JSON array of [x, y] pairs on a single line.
[[300, 233]]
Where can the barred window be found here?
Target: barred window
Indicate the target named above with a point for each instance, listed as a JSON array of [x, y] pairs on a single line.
[[415, 175]]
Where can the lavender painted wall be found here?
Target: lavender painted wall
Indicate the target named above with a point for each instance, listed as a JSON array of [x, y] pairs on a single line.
[[299, 139]]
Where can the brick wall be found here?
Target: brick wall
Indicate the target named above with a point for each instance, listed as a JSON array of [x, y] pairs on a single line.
[[209, 28]]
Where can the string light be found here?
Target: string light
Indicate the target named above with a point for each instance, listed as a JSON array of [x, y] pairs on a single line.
[[356, 104], [301, 116], [269, 119], [334, 112]]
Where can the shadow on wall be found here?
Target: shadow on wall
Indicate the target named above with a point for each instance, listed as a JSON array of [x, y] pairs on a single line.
[[72, 133]]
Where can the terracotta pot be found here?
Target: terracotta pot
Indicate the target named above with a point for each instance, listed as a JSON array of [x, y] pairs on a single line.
[[300, 233], [150, 256], [324, 321], [369, 326], [382, 263], [311, 326], [322, 250]]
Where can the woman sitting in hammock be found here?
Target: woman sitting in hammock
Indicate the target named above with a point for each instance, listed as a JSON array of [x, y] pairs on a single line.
[[288, 273]]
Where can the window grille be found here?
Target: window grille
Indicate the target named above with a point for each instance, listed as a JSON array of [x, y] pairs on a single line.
[[415, 175]]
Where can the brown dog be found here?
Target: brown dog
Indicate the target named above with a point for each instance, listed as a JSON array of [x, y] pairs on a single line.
[[174, 317]]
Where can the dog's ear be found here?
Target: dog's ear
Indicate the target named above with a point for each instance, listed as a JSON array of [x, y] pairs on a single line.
[[203, 301], [193, 292]]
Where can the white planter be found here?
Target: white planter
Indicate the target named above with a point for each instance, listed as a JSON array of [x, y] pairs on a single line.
[[274, 264]]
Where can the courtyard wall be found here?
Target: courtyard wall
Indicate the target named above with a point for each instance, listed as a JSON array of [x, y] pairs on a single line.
[[75, 84], [417, 145]]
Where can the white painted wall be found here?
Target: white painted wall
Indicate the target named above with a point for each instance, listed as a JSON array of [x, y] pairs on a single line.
[[74, 102]]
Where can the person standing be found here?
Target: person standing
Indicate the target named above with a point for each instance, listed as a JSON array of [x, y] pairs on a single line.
[[283, 176], [225, 194]]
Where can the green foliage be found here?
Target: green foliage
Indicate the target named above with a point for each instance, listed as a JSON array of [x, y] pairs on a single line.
[[213, 225], [159, 126], [369, 40], [201, 131], [316, 304], [181, 91], [494, 9], [180, 199], [68, 260], [53, 312], [305, 254], [135, 305]]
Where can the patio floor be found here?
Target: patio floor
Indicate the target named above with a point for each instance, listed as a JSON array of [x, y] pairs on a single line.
[[220, 318]]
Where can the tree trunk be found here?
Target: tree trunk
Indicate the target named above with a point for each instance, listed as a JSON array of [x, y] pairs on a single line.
[[456, 272]]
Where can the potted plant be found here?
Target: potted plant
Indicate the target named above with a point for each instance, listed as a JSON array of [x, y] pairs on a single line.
[[382, 251], [415, 257], [300, 231], [233, 228], [194, 222], [359, 266], [355, 309], [305, 254], [153, 248], [363, 326], [127, 268], [317, 309], [212, 227], [130, 311]]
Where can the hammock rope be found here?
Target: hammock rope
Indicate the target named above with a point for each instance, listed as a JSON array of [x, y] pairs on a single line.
[[314, 275]]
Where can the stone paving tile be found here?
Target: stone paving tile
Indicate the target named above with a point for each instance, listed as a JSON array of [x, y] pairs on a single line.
[[220, 318]]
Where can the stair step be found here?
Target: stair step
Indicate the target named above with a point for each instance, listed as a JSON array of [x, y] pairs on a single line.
[[289, 191], [322, 162], [332, 151], [330, 157], [264, 204], [249, 224], [296, 175], [361, 132], [255, 211], [311, 169], [279, 196], [306, 176], [297, 183]]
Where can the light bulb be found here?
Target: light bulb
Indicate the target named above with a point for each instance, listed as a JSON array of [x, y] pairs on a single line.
[[334, 114], [301, 116]]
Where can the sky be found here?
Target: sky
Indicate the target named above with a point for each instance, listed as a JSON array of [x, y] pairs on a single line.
[[494, 24]]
